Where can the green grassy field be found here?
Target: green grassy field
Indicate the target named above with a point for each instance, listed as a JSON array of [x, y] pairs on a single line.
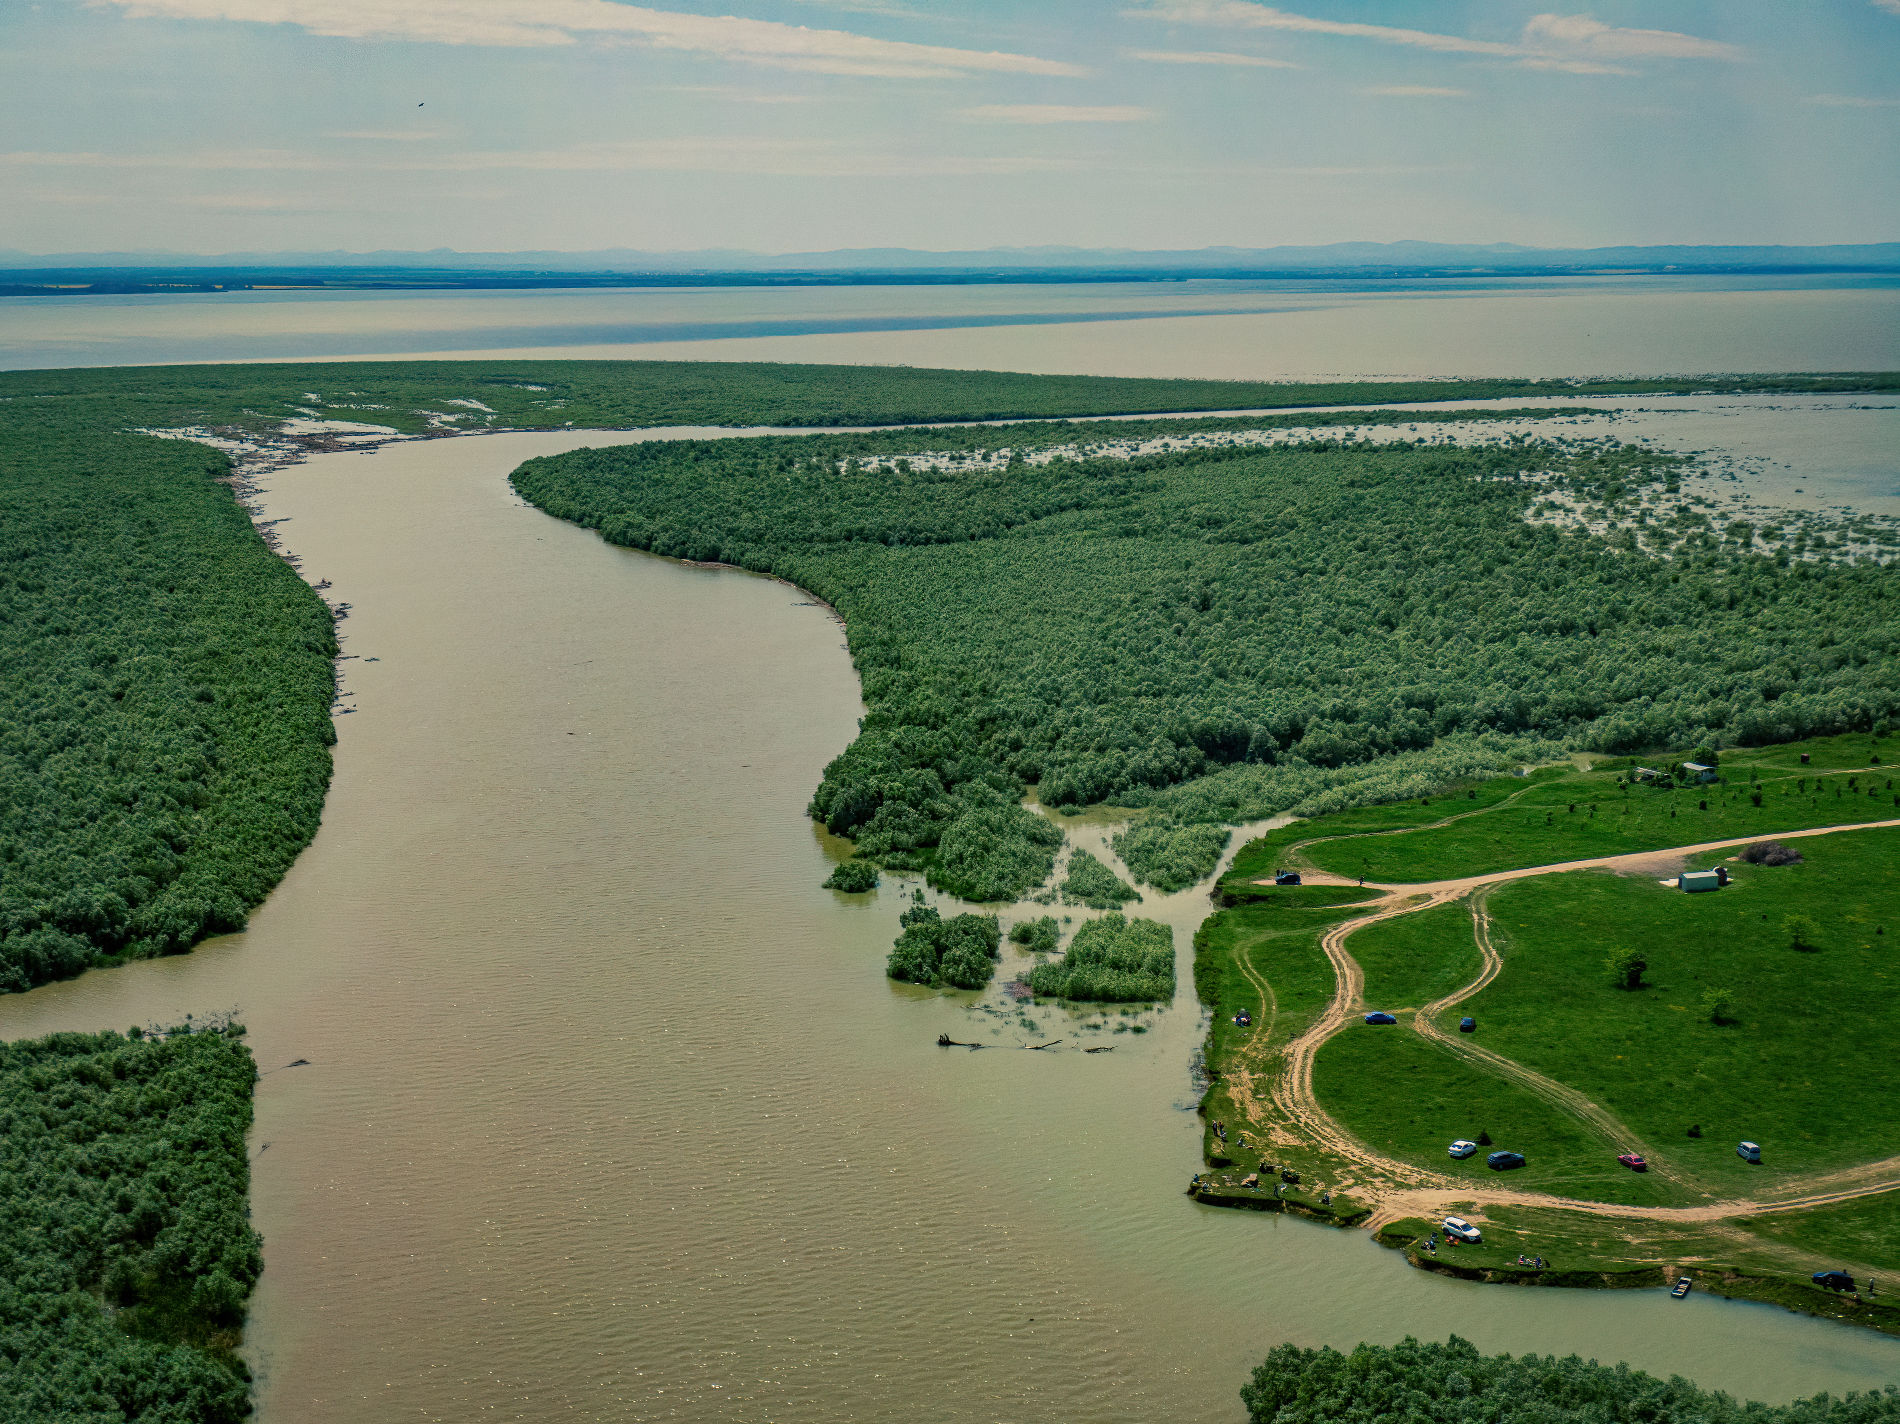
[[1582, 815], [1415, 959], [1806, 1067], [1861, 1234], [1412, 1098], [1280, 943], [1264, 855]]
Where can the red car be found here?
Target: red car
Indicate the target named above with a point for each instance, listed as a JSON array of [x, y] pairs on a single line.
[[1633, 1162]]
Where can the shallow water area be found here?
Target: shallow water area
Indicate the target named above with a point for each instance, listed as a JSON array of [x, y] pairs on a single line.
[[610, 1111]]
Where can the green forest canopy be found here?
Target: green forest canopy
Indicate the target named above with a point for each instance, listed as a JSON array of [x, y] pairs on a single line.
[[1454, 1384], [126, 1248], [165, 680], [1224, 633]]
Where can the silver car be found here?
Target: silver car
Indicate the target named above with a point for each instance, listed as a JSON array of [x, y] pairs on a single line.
[[1458, 1229], [1462, 1149]]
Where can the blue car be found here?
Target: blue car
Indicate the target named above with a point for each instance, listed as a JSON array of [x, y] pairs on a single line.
[[1504, 1161], [1467, 1025], [1380, 1019]]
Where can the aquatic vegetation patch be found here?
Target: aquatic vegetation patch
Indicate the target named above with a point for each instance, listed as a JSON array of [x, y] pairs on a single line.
[[853, 877], [1161, 852], [1111, 960], [960, 952], [1038, 936], [1091, 883]]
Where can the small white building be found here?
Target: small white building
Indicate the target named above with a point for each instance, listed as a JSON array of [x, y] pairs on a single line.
[[1696, 771]]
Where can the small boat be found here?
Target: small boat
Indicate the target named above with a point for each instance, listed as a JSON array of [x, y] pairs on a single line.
[[1682, 1287]]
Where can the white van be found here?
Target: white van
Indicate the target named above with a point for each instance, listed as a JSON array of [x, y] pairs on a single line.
[[1748, 1151]]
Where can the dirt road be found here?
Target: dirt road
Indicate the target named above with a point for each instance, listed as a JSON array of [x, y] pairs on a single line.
[[1404, 1189]]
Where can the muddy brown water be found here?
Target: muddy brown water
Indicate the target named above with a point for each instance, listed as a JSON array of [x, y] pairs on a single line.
[[610, 1112]]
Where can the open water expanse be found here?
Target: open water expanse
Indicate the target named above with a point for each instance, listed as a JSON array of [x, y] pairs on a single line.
[[1265, 330], [610, 1111]]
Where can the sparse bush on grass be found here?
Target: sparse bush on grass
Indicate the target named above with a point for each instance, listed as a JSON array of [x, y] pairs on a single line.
[[1626, 967], [1802, 932]]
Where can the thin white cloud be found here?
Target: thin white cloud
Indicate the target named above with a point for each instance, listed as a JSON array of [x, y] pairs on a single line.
[[1416, 91], [1574, 43], [1891, 6], [1585, 38], [1852, 101], [1213, 56], [772, 157], [1245, 15], [543, 23], [1058, 113]]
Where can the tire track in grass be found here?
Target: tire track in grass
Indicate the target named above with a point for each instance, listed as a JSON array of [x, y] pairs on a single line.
[[1417, 1191]]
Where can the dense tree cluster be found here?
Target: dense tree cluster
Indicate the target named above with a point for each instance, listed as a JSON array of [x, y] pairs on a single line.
[[1161, 852], [1453, 1384], [1111, 960], [854, 877], [1281, 624], [164, 709], [1091, 883], [126, 1249], [1037, 936], [961, 951]]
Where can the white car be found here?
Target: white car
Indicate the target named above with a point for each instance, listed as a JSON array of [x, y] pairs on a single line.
[[1462, 1149], [1458, 1229]]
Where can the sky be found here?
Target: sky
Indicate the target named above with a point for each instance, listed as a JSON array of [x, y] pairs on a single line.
[[208, 126]]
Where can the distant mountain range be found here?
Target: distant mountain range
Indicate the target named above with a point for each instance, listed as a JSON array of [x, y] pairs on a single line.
[[1340, 257]]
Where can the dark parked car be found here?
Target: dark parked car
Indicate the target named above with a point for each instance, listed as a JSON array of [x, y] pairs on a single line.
[[1504, 1161], [1380, 1019], [1833, 1280], [1287, 877], [1467, 1025]]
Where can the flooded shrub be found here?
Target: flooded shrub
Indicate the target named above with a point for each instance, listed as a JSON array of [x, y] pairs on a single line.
[[853, 877], [1159, 851], [1036, 936], [1091, 883], [1111, 960], [960, 952]]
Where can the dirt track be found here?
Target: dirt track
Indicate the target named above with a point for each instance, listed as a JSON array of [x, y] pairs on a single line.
[[1406, 1190]]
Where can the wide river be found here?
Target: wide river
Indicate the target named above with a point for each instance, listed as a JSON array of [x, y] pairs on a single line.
[[610, 1112]]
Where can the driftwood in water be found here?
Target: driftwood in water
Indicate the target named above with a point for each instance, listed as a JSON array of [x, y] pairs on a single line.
[[945, 1041], [1105, 1048], [1038, 1047]]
